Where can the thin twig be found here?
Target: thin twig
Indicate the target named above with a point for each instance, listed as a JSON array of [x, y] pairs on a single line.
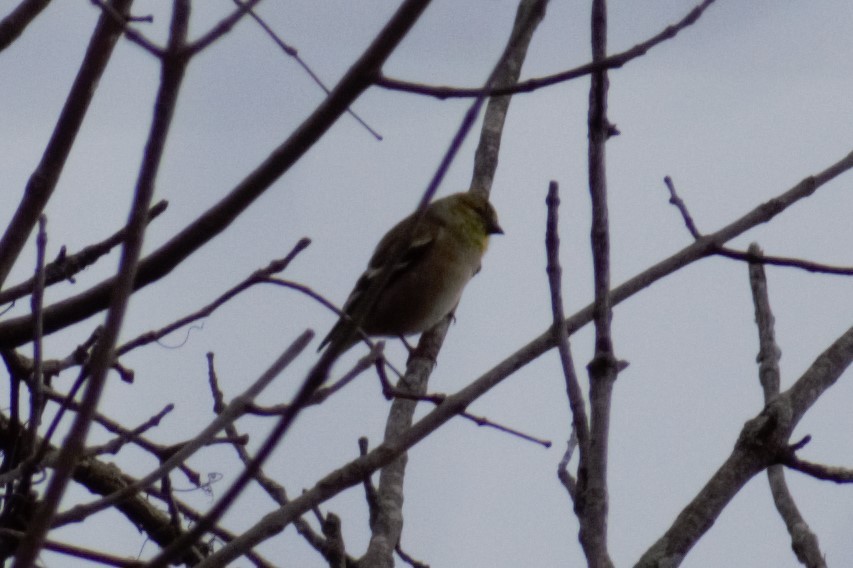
[[483, 421], [682, 208], [611, 62], [566, 478], [223, 27], [407, 558], [819, 471], [128, 436], [65, 266], [132, 34], [292, 52], [231, 413], [258, 277], [580, 422], [275, 490], [807, 265]]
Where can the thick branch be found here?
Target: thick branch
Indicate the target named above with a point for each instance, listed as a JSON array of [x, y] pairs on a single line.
[[762, 443], [13, 25], [357, 470]]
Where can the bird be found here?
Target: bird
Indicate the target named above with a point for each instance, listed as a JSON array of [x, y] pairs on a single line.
[[443, 253]]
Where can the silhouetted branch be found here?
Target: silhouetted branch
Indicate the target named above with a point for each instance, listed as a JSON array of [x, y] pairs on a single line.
[[13, 25], [43, 180], [530, 85], [807, 265]]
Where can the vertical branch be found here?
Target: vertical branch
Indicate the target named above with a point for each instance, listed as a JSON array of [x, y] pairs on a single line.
[[173, 66], [36, 302], [803, 540], [591, 503], [488, 148], [388, 526], [43, 180], [580, 422]]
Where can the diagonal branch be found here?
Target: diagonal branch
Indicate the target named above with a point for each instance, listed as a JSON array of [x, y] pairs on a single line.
[[46, 175], [216, 219], [354, 472], [612, 62], [13, 25], [762, 443], [66, 266]]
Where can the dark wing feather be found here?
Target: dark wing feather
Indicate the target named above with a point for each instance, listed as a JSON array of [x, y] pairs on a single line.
[[421, 242]]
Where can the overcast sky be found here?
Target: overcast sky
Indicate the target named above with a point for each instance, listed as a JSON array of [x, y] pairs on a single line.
[[737, 109]]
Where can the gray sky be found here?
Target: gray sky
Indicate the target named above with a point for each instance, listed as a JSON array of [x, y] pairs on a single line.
[[737, 109]]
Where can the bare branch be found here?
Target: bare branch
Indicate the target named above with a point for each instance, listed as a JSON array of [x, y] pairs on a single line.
[[102, 357], [819, 471], [388, 525], [37, 380], [216, 219], [682, 208], [611, 62], [580, 422], [768, 352], [79, 552], [228, 415], [807, 265], [591, 503], [222, 28], [762, 443], [292, 52], [258, 277], [270, 486], [101, 478], [353, 473], [803, 541], [130, 33], [566, 478], [43, 180], [13, 25], [66, 266]]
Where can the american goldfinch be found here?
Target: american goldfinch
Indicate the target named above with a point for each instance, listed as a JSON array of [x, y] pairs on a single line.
[[426, 283]]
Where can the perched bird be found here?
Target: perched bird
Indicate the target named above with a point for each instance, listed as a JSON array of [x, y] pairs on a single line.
[[431, 270]]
